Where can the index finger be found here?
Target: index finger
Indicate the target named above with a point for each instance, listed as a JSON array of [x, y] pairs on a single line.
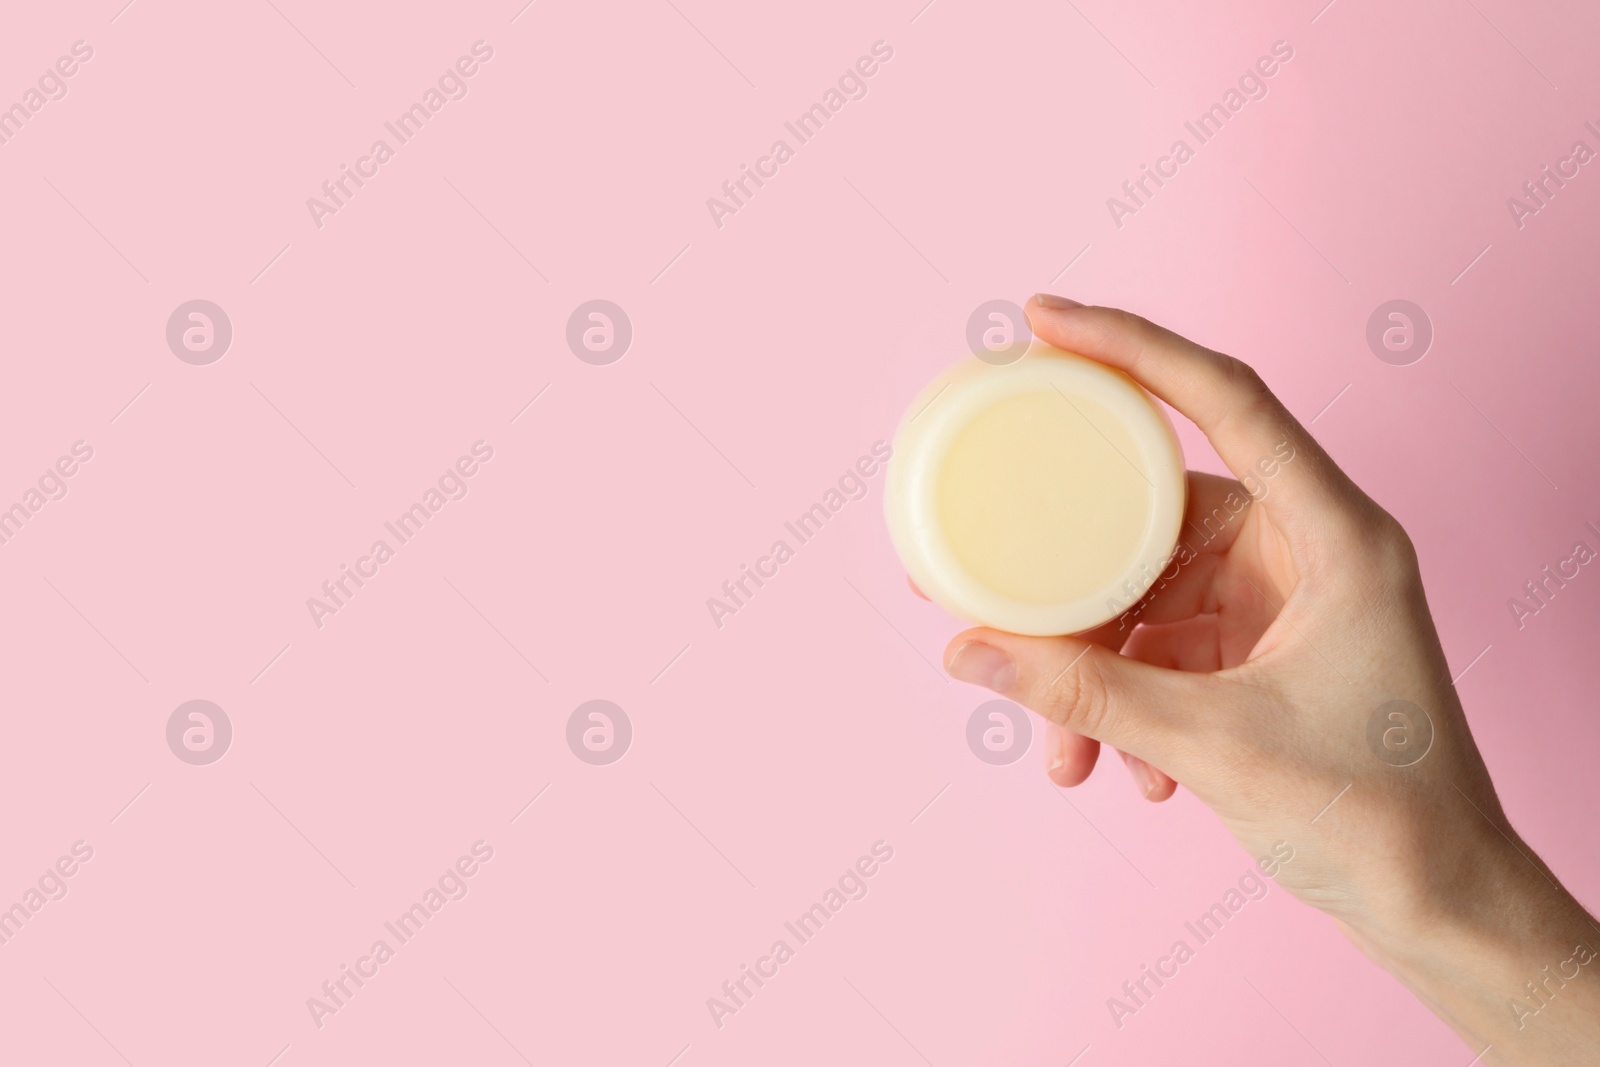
[[1251, 430]]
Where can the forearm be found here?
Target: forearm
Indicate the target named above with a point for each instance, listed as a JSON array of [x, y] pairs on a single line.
[[1511, 962]]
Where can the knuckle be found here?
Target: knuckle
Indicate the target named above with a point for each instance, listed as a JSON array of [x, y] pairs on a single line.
[[1123, 321], [1126, 331], [1246, 383], [1077, 698], [1369, 547], [1107, 327], [1244, 398], [1393, 550]]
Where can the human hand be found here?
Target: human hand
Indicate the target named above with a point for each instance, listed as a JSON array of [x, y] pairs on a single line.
[[1253, 677]]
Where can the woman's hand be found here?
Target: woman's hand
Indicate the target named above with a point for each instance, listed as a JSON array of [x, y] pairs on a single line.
[[1286, 670]]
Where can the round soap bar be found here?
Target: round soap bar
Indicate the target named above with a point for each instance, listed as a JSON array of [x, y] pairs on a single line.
[[1041, 497]]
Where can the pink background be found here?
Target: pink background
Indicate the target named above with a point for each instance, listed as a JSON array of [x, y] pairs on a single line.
[[769, 754]]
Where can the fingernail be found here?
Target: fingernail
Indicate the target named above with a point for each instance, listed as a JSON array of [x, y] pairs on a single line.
[[984, 665], [1048, 300], [1055, 744], [1139, 770]]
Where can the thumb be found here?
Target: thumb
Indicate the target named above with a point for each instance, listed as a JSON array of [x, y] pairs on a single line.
[[1143, 710]]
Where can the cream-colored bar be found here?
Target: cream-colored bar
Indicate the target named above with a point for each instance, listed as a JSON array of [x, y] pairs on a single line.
[[1041, 497]]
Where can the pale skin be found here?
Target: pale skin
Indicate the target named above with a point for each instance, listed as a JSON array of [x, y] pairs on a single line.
[[1250, 677]]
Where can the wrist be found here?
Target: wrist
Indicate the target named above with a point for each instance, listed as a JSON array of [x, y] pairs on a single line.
[[1493, 945]]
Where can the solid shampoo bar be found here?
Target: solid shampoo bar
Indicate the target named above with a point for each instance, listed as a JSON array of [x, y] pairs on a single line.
[[1039, 497]]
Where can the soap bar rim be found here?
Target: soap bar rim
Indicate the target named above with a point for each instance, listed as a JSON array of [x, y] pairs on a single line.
[[949, 402]]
